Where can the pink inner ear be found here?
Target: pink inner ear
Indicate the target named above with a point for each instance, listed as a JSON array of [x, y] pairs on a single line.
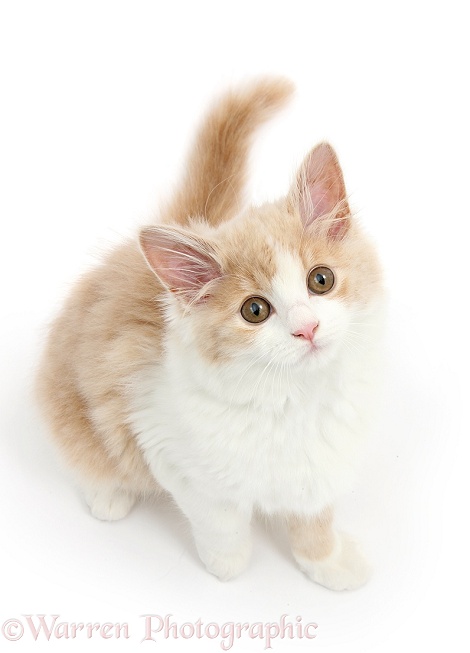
[[181, 261], [322, 189], [316, 201], [185, 268]]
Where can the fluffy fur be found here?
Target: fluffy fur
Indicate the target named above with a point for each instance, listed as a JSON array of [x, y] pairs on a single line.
[[152, 379]]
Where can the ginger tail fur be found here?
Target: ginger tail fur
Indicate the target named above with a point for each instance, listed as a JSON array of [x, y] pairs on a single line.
[[216, 168]]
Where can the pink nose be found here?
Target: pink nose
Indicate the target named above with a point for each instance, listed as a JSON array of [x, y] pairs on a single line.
[[307, 331]]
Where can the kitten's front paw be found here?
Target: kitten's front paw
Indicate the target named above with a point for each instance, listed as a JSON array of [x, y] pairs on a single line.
[[344, 569], [109, 505], [225, 565]]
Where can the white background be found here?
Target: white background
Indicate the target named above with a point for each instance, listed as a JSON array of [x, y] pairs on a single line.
[[99, 101]]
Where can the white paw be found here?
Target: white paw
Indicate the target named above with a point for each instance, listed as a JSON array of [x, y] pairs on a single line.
[[223, 564], [344, 569], [110, 505]]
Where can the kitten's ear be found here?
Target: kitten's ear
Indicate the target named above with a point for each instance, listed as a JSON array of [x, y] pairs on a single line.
[[182, 261], [319, 191]]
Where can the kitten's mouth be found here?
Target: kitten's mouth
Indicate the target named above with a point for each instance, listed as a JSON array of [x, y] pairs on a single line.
[[312, 349], [315, 346]]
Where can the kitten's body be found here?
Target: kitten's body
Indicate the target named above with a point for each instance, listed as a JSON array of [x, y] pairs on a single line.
[[158, 381]]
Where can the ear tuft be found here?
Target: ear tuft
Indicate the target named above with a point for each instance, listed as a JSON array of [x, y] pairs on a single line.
[[184, 262], [320, 191]]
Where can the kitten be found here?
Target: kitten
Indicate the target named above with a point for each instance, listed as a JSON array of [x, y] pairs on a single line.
[[227, 357]]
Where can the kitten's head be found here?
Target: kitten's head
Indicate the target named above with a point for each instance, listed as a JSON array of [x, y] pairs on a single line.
[[291, 281]]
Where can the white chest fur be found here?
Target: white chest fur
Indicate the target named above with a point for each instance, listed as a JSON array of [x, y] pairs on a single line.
[[279, 443]]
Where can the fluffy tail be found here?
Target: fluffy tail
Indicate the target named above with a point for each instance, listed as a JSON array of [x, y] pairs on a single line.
[[217, 165]]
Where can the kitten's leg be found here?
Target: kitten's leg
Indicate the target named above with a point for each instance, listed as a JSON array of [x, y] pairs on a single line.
[[223, 541], [109, 502], [221, 531], [326, 556]]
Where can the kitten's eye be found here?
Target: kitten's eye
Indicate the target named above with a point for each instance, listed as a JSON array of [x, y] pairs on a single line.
[[255, 310], [320, 280]]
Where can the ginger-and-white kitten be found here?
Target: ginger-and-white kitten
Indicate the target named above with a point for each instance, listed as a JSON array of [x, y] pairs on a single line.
[[227, 357]]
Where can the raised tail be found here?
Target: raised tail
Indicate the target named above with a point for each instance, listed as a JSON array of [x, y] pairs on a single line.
[[217, 164]]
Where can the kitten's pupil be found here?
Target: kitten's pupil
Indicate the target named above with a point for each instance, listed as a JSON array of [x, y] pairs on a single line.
[[255, 309], [320, 278]]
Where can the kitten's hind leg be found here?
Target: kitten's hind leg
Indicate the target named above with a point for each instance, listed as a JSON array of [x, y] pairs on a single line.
[[329, 558], [109, 502]]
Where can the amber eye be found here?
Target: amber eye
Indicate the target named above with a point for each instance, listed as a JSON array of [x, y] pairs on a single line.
[[320, 280], [255, 310]]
